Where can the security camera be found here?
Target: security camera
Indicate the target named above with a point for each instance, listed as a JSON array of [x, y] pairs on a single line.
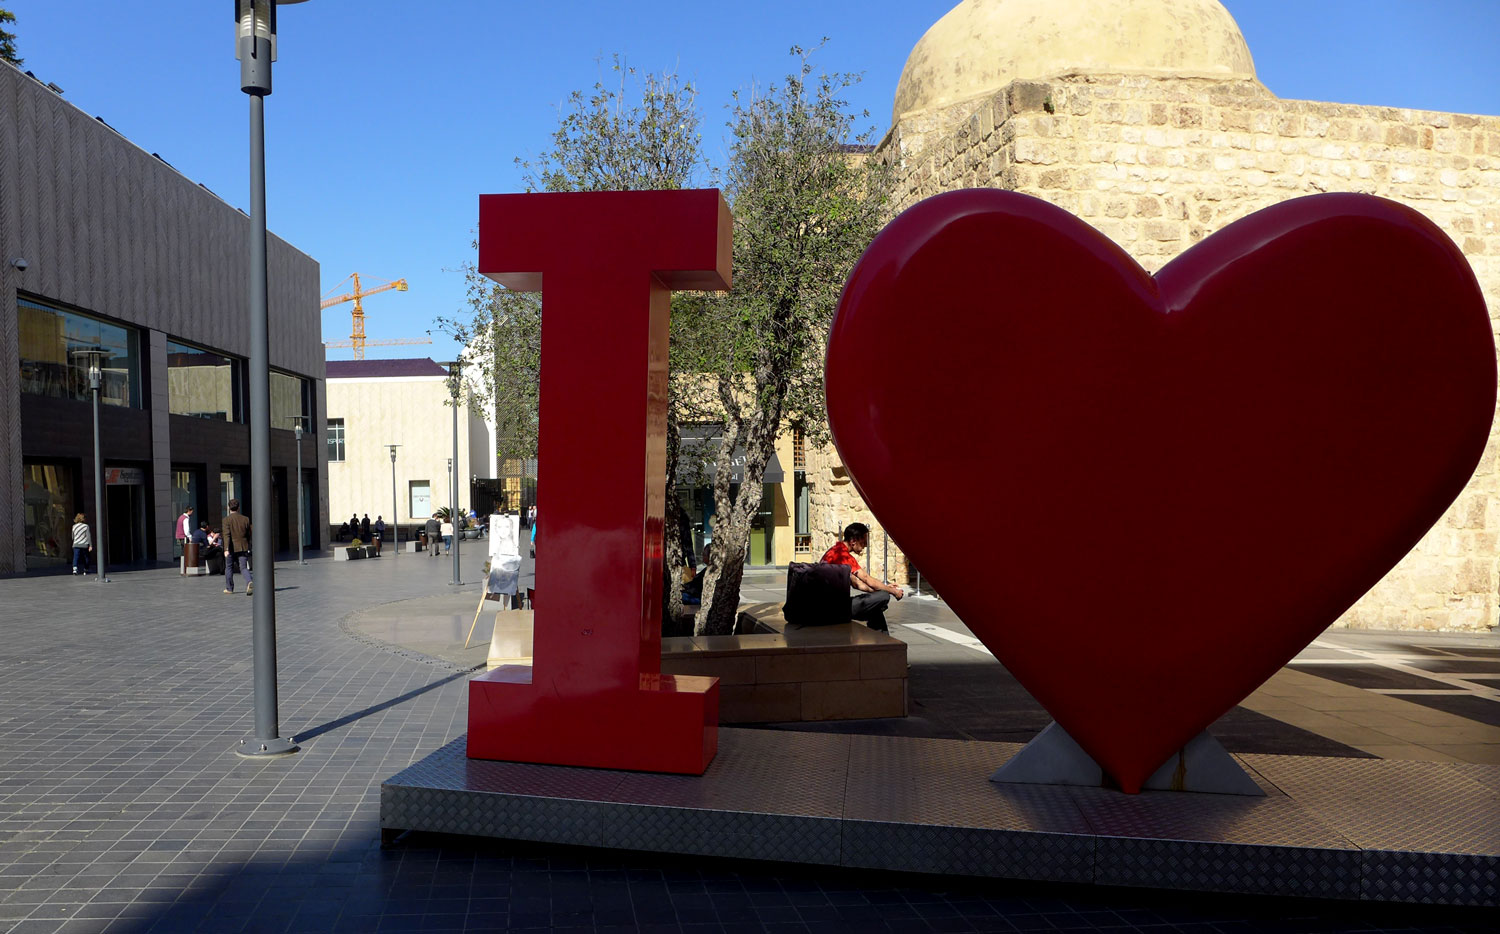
[[20, 263]]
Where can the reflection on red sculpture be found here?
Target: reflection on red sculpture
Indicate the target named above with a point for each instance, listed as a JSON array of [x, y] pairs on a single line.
[[604, 262], [1147, 494]]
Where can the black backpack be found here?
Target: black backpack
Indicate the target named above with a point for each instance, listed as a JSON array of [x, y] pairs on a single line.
[[816, 594]]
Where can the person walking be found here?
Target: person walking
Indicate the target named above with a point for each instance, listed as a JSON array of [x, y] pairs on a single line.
[[237, 548], [83, 544], [447, 533], [433, 527], [379, 532], [364, 529]]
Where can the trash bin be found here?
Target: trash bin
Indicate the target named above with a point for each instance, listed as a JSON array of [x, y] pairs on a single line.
[[189, 556]]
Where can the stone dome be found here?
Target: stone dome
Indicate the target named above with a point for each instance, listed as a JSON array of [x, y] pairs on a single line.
[[980, 46]]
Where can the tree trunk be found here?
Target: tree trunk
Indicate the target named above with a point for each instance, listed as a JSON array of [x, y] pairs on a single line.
[[673, 558], [721, 588]]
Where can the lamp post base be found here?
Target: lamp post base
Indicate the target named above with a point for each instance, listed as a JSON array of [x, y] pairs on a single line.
[[261, 748]]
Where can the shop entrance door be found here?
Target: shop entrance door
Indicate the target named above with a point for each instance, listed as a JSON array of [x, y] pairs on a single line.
[[125, 523]]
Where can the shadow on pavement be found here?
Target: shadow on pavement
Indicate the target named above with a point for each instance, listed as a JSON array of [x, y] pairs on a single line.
[[375, 708]]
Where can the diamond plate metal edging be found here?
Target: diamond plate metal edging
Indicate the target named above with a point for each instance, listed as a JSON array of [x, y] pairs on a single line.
[[735, 834], [970, 851], [1430, 878], [486, 814], [1307, 871]]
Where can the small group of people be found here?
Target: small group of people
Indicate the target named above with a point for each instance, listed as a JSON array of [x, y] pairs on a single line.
[[364, 530], [224, 552]]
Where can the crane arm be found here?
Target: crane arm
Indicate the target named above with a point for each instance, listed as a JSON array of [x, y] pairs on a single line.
[[390, 342], [399, 285]]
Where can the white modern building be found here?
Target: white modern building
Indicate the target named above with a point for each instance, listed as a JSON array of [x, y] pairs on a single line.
[[374, 404]]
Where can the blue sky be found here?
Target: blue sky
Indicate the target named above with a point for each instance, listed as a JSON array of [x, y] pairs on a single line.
[[389, 118]]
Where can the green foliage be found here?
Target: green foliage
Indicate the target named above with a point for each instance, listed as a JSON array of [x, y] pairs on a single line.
[[807, 199], [8, 40], [604, 143], [640, 132]]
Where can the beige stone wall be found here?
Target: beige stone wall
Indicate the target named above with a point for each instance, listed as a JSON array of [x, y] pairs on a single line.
[[1158, 164]]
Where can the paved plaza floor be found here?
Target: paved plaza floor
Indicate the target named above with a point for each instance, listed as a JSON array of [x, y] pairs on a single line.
[[123, 807]]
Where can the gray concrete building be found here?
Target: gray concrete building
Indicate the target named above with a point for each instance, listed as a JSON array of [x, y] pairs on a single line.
[[104, 243]]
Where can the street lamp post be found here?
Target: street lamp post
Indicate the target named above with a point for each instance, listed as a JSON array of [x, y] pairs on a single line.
[[301, 519], [255, 47], [454, 370], [395, 516], [93, 358]]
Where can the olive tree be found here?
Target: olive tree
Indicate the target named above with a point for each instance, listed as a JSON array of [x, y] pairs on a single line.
[[744, 364], [8, 40], [807, 200]]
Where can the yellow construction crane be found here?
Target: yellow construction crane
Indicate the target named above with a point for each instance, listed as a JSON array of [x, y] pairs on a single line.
[[357, 295]]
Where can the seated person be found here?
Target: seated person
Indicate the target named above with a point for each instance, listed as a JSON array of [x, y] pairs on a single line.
[[212, 551], [869, 605], [692, 591], [200, 535]]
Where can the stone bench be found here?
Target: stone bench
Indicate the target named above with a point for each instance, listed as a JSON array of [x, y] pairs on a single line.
[[780, 673]]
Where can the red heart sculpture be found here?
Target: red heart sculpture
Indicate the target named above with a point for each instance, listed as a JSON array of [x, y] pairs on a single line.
[[1147, 494]]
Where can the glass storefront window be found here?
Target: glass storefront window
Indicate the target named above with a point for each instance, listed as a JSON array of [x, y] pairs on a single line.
[[185, 492], [203, 384], [698, 504], [232, 485], [335, 440], [288, 400], [48, 502], [420, 499], [48, 368]]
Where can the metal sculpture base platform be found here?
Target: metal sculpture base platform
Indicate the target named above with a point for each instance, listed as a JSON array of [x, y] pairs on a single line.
[[1373, 829]]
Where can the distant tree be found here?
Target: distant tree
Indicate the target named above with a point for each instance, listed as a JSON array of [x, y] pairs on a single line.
[[638, 132], [8, 40]]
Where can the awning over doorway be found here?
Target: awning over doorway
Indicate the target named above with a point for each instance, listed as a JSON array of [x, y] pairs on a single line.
[[701, 444]]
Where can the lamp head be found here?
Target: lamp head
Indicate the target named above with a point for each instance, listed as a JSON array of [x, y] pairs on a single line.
[[255, 42], [92, 359]]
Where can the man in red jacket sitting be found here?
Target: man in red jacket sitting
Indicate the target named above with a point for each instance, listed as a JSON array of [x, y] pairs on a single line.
[[869, 606]]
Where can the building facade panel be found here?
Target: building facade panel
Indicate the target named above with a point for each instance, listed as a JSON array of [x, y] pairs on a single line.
[[112, 232]]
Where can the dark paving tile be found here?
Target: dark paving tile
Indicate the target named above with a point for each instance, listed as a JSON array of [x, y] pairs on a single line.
[[1372, 676], [1470, 706]]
